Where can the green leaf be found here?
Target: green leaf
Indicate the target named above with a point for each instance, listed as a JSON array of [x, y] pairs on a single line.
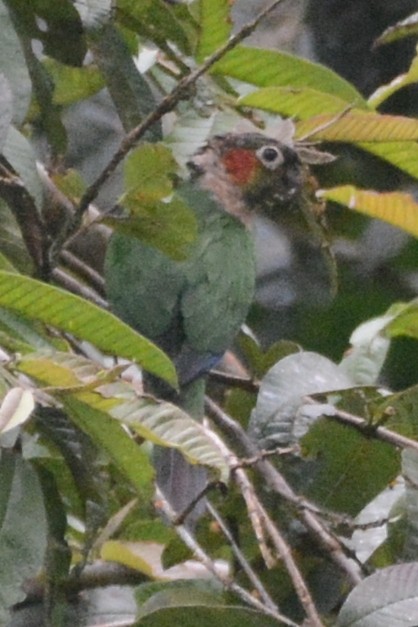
[[142, 556], [397, 208], [277, 418], [405, 320], [386, 598], [154, 19], [128, 89], [108, 434], [167, 425], [169, 226], [267, 68], [385, 91], [13, 66], [85, 320], [215, 26], [346, 469], [72, 84], [23, 529], [148, 174], [298, 102], [359, 127], [90, 398], [405, 28], [403, 155], [192, 614], [60, 32]]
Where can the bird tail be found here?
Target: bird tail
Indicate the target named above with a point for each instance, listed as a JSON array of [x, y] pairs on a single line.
[[181, 482]]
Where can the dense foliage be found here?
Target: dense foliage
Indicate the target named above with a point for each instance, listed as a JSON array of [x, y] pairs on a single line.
[[101, 103]]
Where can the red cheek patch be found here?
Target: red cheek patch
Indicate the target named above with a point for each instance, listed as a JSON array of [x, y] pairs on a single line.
[[240, 165]]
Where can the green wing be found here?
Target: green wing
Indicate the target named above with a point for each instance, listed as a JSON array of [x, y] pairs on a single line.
[[204, 299]]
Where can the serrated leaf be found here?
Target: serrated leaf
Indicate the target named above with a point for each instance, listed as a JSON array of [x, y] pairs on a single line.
[[85, 320], [397, 208], [215, 26], [388, 598], [298, 102], [167, 425], [268, 68], [159, 422], [358, 127], [405, 28], [385, 91], [23, 529]]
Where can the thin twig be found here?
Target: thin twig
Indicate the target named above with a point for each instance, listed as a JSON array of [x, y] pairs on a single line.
[[257, 512], [275, 481], [165, 106], [241, 559], [323, 127], [380, 433], [72, 285], [243, 383], [87, 272], [228, 583]]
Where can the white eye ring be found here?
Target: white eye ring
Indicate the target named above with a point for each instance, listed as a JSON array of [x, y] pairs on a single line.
[[270, 156]]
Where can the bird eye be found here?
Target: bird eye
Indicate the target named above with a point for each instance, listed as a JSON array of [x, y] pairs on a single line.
[[270, 156]]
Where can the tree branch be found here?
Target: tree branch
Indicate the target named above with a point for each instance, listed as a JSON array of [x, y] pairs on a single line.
[[308, 513], [165, 106]]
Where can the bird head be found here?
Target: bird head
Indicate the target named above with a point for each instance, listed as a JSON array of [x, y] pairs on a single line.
[[248, 171]]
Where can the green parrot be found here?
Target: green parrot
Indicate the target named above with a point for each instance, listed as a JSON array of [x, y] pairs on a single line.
[[193, 309]]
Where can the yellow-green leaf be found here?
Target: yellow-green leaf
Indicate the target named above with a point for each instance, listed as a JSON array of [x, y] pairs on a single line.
[[397, 208], [74, 315], [142, 556], [403, 155], [148, 174], [359, 127], [385, 91], [215, 26], [169, 226], [405, 28], [299, 102], [268, 68]]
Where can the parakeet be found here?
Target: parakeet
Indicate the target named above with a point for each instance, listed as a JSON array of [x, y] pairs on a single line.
[[193, 309]]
